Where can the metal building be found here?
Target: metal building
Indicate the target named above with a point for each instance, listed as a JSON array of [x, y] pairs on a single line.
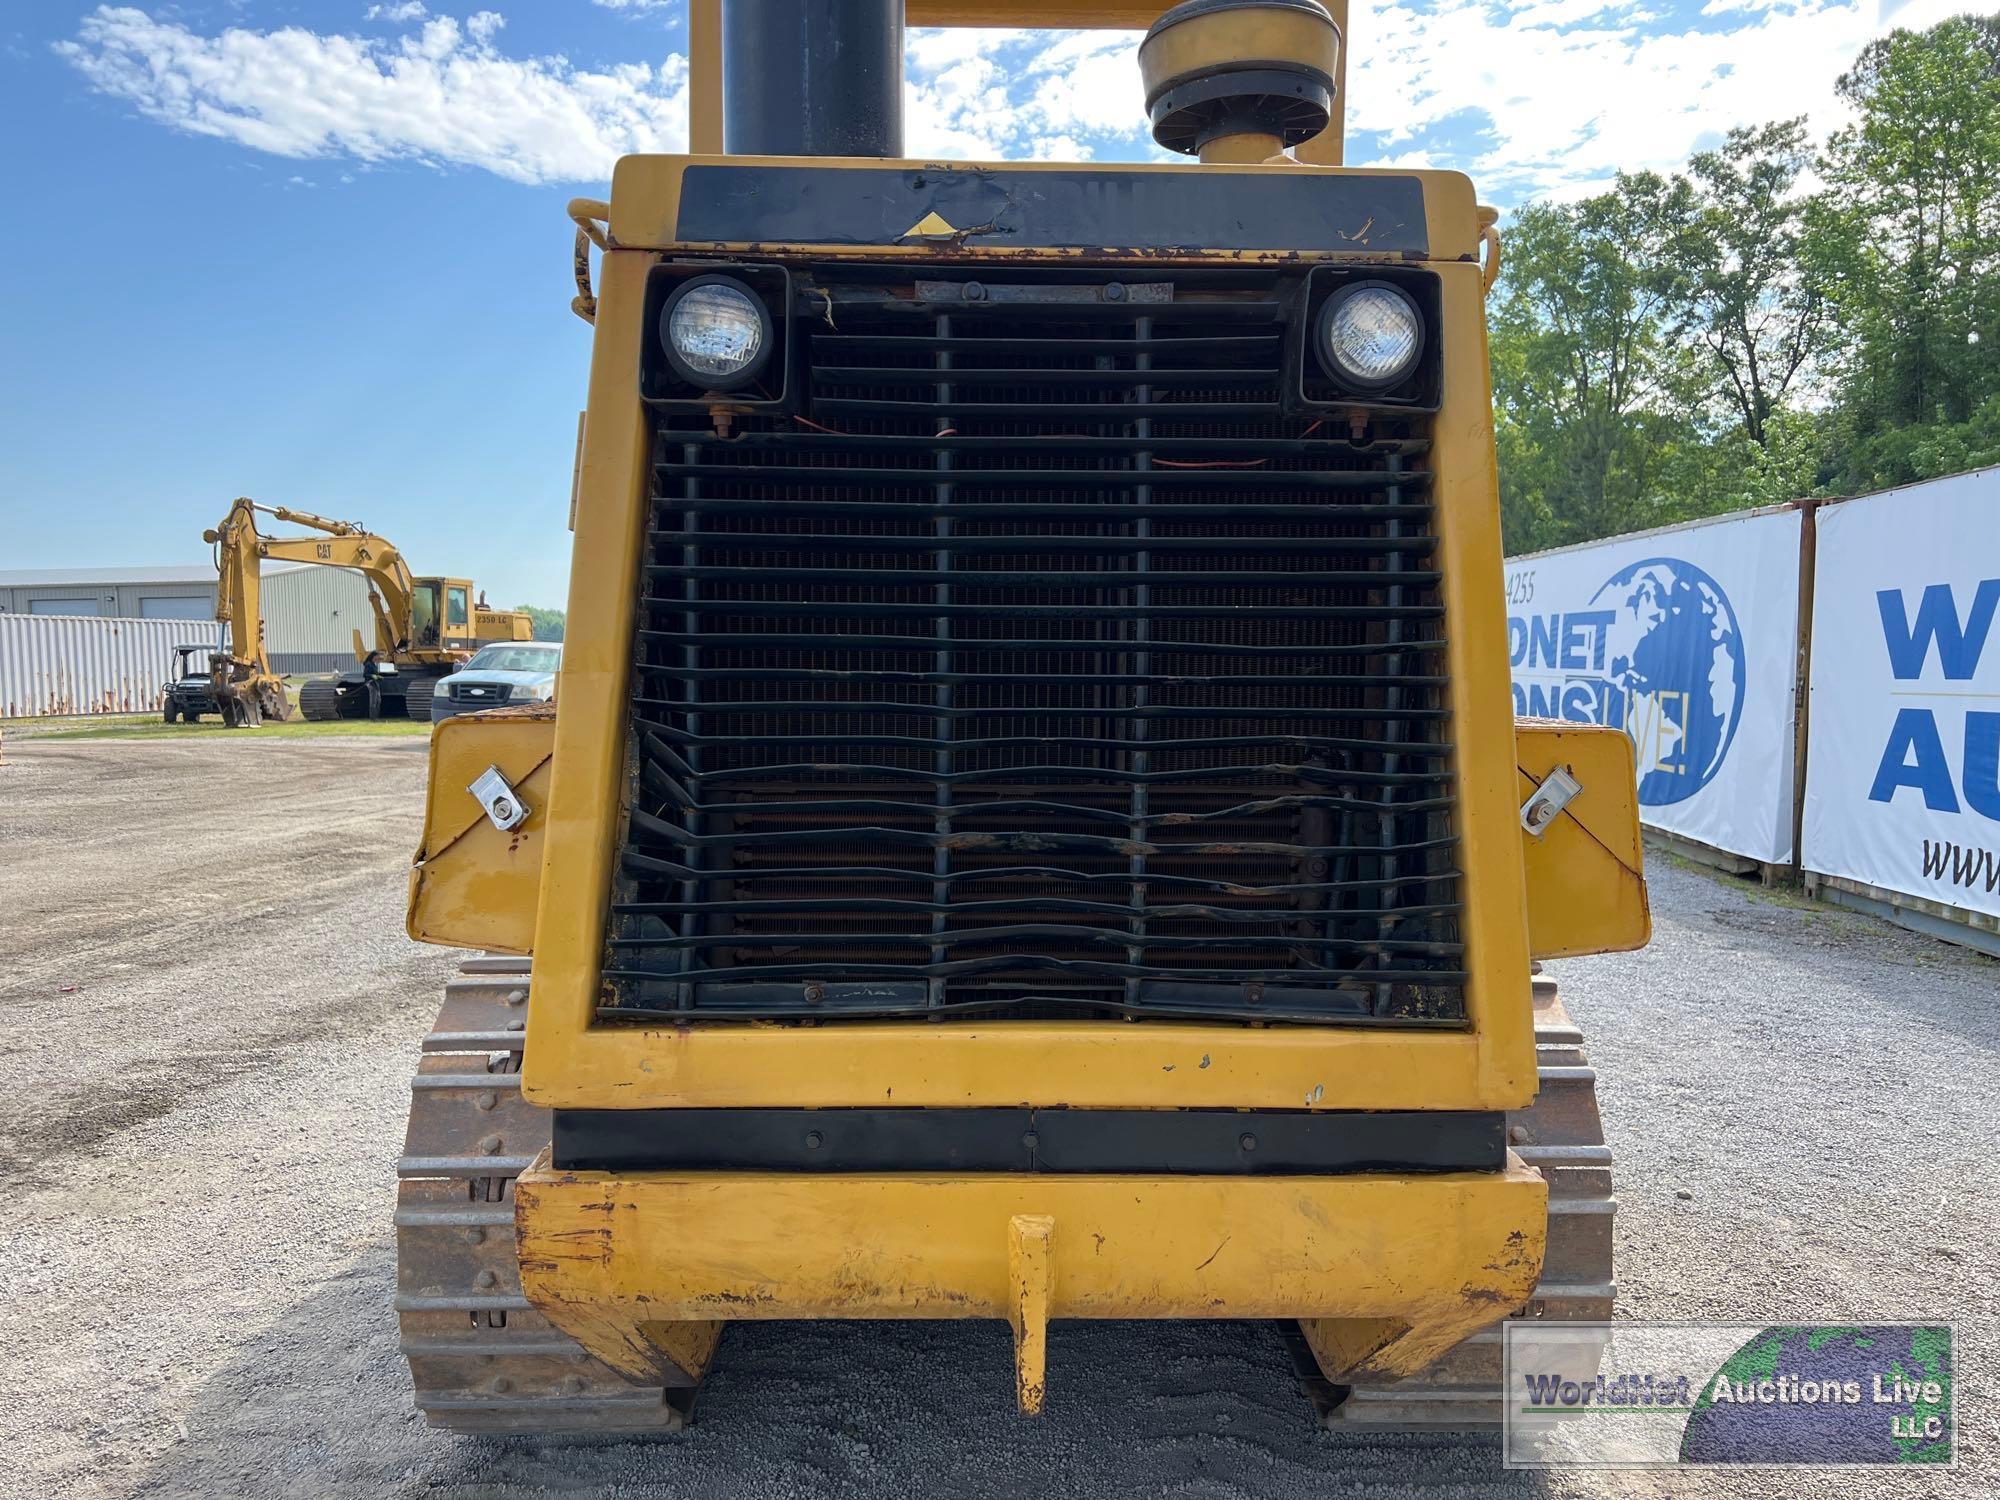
[[124, 593], [310, 616], [310, 612]]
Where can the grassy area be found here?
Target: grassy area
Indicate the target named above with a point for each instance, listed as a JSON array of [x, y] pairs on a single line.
[[152, 727]]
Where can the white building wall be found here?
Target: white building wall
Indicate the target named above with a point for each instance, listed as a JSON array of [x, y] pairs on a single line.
[[158, 599], [311, 614], [158, 604], [55, 665]]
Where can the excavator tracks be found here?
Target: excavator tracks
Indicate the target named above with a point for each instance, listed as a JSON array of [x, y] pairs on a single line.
[[1562, 1135], [481, 1359], [320, 701]]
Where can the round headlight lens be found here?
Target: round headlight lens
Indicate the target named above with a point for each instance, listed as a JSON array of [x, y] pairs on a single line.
[[1370, 336], [716, 331]]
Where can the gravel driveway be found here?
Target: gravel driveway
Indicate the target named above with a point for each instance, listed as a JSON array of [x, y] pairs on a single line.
[[211, 1012]]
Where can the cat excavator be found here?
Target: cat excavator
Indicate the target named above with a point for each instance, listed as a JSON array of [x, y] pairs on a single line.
[[425, 627]]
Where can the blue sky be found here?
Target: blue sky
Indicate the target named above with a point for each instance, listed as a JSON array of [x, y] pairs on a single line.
[[314, 251]]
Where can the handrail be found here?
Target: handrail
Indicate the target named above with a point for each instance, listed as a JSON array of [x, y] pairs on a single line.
[[1489, 235], [593, 227]]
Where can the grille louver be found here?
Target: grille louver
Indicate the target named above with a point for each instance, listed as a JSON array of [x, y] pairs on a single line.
[[1044, 663]]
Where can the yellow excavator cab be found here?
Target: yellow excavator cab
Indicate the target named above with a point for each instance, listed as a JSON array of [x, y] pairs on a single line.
[[441, 615]]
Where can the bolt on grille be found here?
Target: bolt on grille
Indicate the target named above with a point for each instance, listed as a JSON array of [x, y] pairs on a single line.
[[1047, 664]]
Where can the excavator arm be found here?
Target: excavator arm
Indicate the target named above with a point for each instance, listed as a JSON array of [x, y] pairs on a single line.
[[241, 551]]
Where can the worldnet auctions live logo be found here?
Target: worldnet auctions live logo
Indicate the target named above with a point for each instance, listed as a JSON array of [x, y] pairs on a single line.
[[1657, 652], [1652, 1394]]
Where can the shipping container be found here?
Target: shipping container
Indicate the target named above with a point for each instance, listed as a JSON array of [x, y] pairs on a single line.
[[55, 665]]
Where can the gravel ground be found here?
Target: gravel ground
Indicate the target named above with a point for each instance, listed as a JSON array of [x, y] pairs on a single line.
[[212, 1010]]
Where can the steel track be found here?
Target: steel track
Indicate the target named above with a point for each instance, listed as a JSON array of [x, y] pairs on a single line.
[[483, 1361], [1561, 1134]]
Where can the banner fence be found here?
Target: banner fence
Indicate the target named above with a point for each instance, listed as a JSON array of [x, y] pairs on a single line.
[[1903, 778], [1884, 782], [1687, 639]]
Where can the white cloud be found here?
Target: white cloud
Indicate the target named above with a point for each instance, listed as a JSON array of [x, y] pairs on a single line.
[[1550, 97], [1574, 91], [442, 94], [1022, 94]]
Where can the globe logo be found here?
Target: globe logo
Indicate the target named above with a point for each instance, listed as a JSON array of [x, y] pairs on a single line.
[[1675, 652], [1837, 1413]]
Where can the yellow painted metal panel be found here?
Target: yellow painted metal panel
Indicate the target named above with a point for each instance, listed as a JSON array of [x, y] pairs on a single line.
[[588, 790], [571, 1062], [705, 76], [645, 210], [1586, 876], [1108, 15], [1442, 1255], [1028, 1301], [1486, 820], [471, 885], [1099, 1064]]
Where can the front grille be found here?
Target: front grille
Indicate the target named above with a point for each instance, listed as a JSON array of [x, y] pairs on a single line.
[[1041, 662], [486, 695]]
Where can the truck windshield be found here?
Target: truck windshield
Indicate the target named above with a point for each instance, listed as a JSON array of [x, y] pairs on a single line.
[[516, 659]]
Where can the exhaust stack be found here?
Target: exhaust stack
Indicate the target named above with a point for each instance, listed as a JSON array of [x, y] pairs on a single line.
[[812, 77]]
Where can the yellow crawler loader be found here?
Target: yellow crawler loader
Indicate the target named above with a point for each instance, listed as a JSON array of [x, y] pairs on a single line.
[[1035, 828]]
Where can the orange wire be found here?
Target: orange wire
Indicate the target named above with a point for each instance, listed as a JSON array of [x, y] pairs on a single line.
[[806, 422]]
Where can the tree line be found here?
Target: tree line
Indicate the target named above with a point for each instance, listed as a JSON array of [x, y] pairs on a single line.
[[1777, 320]]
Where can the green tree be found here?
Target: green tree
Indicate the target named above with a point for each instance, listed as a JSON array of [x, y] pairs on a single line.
[[1591, 383], [548, 623], [1759, 309], [1909, 241]]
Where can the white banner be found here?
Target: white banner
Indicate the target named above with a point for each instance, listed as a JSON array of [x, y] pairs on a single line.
[[1687, 639], [1901, 786]]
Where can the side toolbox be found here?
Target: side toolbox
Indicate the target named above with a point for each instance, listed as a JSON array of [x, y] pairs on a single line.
[[474, 883]]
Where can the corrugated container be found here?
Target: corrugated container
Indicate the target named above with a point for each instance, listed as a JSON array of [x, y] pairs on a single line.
[[53, 665]]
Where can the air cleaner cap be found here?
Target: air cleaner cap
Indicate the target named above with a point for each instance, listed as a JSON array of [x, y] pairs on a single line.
[[1215, 68]]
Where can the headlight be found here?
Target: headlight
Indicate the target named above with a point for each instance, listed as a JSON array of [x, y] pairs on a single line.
[[1370, 335], [716, 332]]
